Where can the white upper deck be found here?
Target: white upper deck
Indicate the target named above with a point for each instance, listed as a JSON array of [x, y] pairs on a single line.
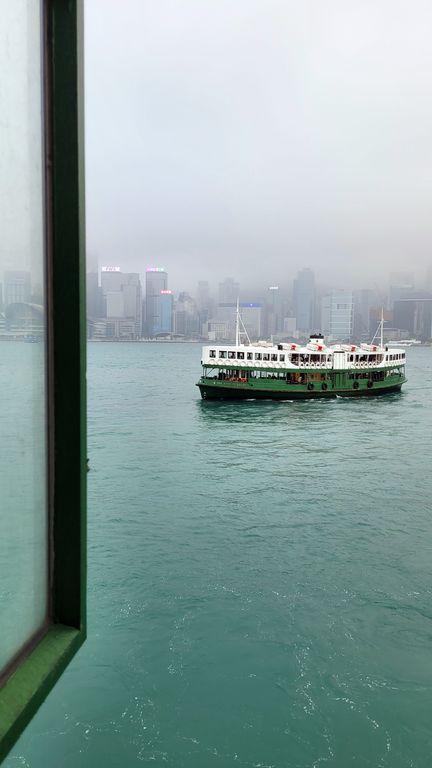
[[314, 354]]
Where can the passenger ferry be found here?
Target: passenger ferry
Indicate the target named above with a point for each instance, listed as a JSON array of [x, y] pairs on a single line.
[[291, 371]]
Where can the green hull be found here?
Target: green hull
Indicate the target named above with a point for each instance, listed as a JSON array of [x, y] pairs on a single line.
[[221, 390]]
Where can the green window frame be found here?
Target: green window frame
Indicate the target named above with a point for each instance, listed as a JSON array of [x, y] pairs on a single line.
[[25, 684]]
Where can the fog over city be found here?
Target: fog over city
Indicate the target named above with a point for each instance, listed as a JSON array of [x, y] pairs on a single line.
[[254, 138]]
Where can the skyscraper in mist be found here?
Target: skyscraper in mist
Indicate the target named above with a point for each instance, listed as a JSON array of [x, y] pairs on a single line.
[[401, 286], [203, 295], [273, 313], [337, 315], [156, 281], [228, 291], [304, 299]]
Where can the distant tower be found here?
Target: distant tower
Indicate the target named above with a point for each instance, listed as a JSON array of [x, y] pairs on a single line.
[[203, 295], [274, 319], [401, 286], [337, 315], [304, 299], [156, 281], [228, 291]]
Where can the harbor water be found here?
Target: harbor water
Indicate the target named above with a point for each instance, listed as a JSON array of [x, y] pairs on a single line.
[[260, 577]]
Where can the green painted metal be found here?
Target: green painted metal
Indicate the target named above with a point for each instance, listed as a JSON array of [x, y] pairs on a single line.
[[68, 319], [317, 383], [28, 686], [41, 663]]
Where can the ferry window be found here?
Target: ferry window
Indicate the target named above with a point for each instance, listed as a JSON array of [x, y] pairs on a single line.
[[212, 353], [282, 358], [240, 355], [266, 356], [42, 559], [222, 353], [24, 449], [231, 355], [258, 356], [249, 356], [274, 358]]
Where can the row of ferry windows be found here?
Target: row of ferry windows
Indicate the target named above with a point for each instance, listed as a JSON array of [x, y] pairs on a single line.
[[266, 356], [232, 355]]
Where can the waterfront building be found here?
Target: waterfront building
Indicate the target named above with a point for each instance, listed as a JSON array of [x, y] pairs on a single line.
[[251, 315], [414, 317], [121, 299], [203, 295], [115, 304], [229, 291], [273, 320], [364, 300], [401, 285], [156, 281], [111, 279], [166, 311], [337, 312], [186, 318], [16, 287], [304, 299], [132, 299], [94, 305], [217, 330], [290, 326]]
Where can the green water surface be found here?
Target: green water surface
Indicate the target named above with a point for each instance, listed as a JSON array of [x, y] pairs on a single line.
[[260, 578]]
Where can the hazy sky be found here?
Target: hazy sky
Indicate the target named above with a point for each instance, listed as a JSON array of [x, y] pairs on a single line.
[[250, 138]]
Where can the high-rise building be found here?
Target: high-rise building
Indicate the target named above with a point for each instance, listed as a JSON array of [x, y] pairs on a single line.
[[364, 300], [16, 287], [228, 291], [414, 317], [166, 310], [93, 296], [401, 286], [203, 295], [273, 312], [156, 281], [186, 317], [111, 279], [304, 299], [122, 299], [251, 315], [204, 303], [337, 313], [132, 294]]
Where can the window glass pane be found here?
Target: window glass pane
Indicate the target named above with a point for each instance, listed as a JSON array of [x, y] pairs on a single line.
[[23, 463]]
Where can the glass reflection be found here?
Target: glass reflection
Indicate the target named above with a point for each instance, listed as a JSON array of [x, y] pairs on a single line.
[[23, 450]]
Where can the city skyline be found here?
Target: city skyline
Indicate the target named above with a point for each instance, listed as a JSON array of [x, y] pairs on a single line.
[[272, 312]]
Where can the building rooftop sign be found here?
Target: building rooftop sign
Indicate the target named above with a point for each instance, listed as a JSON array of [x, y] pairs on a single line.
[[111, 269], [155, 269], [167, 292]]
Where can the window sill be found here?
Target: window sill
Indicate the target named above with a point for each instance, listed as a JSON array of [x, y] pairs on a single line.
[[31, 682]]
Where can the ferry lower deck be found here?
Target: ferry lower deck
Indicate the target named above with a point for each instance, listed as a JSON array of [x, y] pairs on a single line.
[[241, 384]]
